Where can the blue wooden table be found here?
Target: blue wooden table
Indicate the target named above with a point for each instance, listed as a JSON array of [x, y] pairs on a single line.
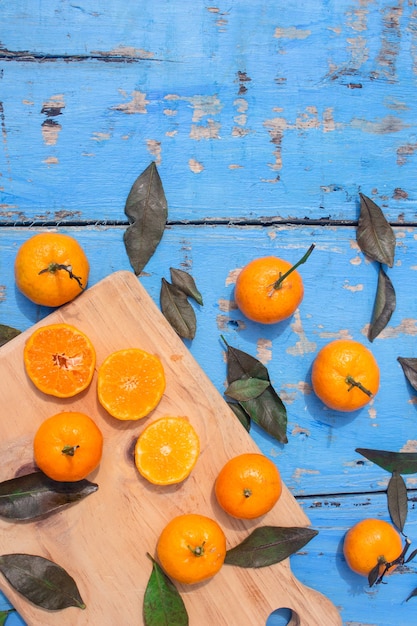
[[266, 120]]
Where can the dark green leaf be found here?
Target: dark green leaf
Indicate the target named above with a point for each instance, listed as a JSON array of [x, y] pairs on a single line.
[[7, 333], [243, 365], [374, 234], [397, 500], [41, 581], [186, 283], [147, 212], [162, 604], [267, 545], [413, 594], [269, 412], [401, 462], [246, 388], [4, 615], [33, 495], [385, 302], [177, 310], [409, 366], [241, 414], [411, 556], [373, 575]]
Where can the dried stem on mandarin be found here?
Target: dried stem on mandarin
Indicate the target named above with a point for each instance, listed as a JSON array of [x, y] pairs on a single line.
[[55, 267], [354, 383], [69, 450], [277, 284]]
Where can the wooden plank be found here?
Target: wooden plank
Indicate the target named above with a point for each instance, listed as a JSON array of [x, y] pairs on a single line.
[[339, 292], [252, 113]]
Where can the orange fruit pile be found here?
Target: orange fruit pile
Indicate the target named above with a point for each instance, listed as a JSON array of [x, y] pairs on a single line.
[[60, 360], [167, 450], [345, 375], [191, 548], [369, 542], [248, 486], [68, 446], [130, 383], [258, 296], [51, 269]]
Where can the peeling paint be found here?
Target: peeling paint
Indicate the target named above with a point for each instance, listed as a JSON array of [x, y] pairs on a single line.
[[232, 276], [154, 148], [223, 322], [291, 33], [50, 132], [407, 326], [357, 260], [353, 288], [101, 136], [126, 51], [409, 446], [137, 104], [226, 305], [209, 131], [382, 126], [51, 160], [340, 334], [303, 345], [298, 430], [264, 350], [300, 472], [2, 293], [195, 166]]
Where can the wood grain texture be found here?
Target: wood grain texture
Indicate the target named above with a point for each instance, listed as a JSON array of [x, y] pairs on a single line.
[[253, 111], [109, 565]]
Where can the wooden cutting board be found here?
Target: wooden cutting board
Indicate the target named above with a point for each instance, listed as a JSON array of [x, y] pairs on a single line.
[[102, 541]]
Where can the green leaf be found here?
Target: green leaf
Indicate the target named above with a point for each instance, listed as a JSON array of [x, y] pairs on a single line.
[[267, 410], [33, 495], [177, 310], [41, 581], [373, 575], [147, 212], [186, 283], [267, 545], [401, 462], [397, 500], [385, 302], [7, 333], [374, 234], [241, 414], [246, 388], [413, 594], [409, 366], [242, 365], [4, 615], [162, 604]]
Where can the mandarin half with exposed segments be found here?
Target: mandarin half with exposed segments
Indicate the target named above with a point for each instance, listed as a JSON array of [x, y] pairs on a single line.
[[369, 542], [59, 359], [345, 375], [167, 450], [131, 383], [68, 446], [248, 486], [269, 289], [191, 548], [51, 269]]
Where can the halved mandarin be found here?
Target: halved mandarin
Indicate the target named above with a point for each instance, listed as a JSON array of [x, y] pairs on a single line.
[[130, 383], [60, 360], [167, 450]]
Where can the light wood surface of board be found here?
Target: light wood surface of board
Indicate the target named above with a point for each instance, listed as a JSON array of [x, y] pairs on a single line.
[[103, 541]]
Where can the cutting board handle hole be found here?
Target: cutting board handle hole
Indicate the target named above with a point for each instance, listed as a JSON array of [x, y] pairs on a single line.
[[283, 617]]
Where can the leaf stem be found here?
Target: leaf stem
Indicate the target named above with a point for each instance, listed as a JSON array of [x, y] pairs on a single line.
[[198, 550], [69, 450], [55, 267], [355, 383], [277, 284]]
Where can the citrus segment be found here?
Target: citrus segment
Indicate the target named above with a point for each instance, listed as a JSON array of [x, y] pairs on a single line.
[[59, 359], [256, 296], [191, 548], [68, 446], [167, 450], [345, 375], [369, 542], [131, 383], [51, 269], [248, 486]]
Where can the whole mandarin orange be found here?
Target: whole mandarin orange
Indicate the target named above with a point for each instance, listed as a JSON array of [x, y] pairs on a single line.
[[51, 269], [345, 375], [369, 542]]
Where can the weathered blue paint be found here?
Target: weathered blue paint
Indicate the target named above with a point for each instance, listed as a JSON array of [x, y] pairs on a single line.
[[255, 112]]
